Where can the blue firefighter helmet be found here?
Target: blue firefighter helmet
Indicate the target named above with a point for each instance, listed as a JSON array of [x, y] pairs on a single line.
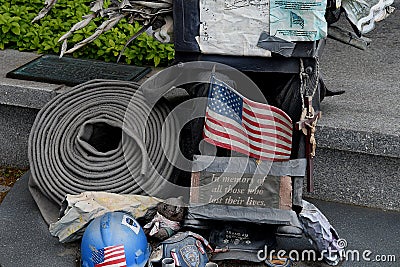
[[114, 239]]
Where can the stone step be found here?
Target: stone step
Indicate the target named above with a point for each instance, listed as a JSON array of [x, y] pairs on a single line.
[[358, 155], [349, 176], [19, 103]]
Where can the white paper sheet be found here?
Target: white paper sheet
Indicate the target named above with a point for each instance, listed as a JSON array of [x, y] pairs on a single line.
[[233, 27]]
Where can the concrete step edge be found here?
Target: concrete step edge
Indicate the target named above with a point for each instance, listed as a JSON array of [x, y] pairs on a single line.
[[373, 143]]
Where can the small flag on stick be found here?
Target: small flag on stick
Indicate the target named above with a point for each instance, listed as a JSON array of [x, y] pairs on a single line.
[[234, 122]]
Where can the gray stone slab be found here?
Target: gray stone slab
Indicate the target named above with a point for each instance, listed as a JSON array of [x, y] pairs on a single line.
[[357, 178], [20, 101], [16, 123], [24, 236], [24, 97], [22, 93], [366, 142]]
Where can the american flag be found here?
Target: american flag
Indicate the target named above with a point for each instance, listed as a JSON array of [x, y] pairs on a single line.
[[296, 19], [234, 122], [109, 256]]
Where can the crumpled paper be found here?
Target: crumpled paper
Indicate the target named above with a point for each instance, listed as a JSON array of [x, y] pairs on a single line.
[[82, 208], [321, 233], [364, 13], [231, 27]]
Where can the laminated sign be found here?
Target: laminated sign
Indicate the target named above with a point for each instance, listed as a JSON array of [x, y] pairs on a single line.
[[301, 20]]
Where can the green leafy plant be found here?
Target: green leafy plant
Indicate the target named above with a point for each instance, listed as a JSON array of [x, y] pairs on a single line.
[[17, 32]]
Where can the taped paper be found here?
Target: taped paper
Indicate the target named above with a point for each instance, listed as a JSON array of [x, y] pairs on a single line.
[[233, 27], [302, 20]]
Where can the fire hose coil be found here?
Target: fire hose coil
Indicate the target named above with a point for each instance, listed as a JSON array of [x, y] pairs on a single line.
[[102, 136]]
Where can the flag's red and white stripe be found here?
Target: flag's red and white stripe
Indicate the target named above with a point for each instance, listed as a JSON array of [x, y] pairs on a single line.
[[114, 256], [265, 132]]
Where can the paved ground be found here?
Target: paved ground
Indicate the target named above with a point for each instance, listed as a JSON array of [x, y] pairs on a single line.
[[25, 240], [363, 229]]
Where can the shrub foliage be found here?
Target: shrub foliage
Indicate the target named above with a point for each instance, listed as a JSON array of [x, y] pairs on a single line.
[[17, 32]]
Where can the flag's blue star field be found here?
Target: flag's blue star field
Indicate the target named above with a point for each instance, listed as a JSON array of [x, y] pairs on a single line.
[[225, 102]]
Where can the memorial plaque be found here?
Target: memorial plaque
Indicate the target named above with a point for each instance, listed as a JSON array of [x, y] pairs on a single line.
[[245, 190], [71, 71]]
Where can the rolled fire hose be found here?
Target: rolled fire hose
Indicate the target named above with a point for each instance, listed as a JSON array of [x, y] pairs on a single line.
[[102, 136]]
